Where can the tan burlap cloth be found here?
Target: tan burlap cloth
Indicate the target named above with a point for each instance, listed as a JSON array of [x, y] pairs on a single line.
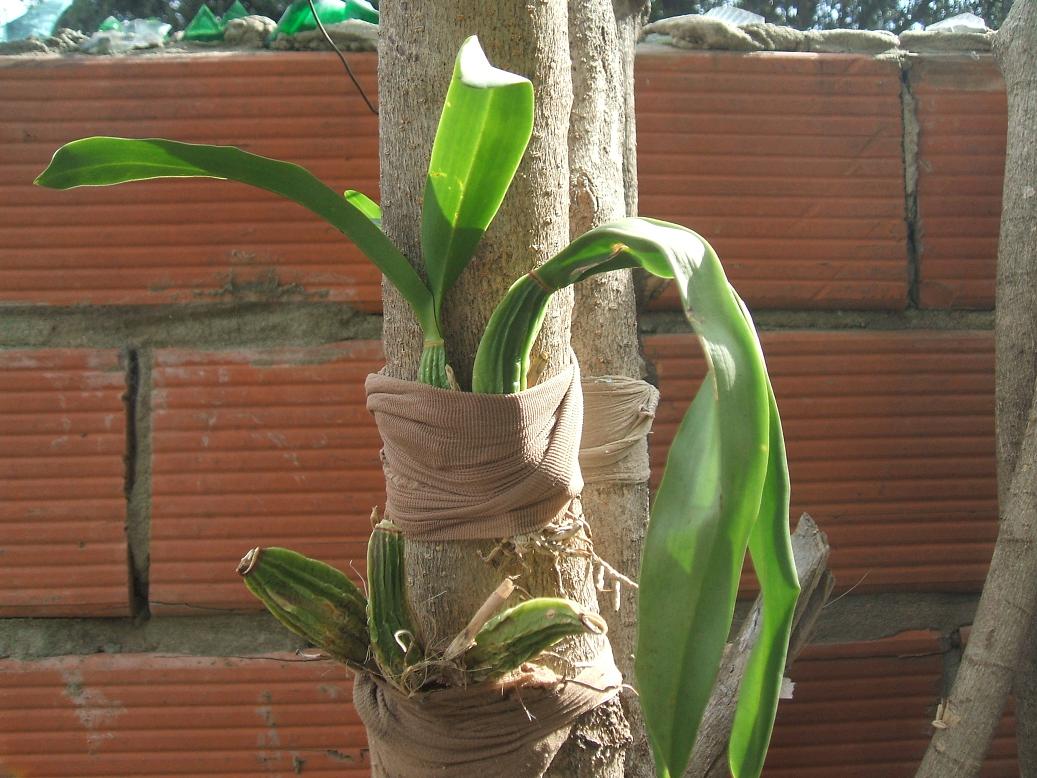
[[464, 466], [617, 416], [488, 731]]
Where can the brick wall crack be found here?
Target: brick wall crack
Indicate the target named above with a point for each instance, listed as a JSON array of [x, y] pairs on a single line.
[[909, 136], [138, 476]]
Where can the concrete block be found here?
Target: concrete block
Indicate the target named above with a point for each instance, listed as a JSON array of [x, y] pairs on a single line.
[[62, 505], [258, 448], [858, 709], [861, 710], [890, 438]]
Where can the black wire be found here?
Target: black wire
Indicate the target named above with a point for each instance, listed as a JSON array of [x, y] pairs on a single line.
[[342, 58]]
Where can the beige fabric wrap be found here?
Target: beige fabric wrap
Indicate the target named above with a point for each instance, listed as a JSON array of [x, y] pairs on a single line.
[[478, 732], [465, 466], [617, 416]]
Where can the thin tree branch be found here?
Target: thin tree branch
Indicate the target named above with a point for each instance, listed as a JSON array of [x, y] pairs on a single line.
[[972, 710]]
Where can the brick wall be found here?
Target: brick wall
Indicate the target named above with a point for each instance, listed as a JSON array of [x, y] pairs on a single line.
[[181, 367]]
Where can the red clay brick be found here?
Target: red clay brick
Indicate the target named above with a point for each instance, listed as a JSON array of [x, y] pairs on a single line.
[[961, 110], [62, 505], [181, 241], [789, 164], [890, 438], [858, 710], [264, 447], [862, 710], [890, 441], [148, 715]]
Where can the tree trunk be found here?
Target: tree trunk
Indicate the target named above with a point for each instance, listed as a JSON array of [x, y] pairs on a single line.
[[448, 580], [1016, 329], [997, 647], [969, 715], [603, 188]]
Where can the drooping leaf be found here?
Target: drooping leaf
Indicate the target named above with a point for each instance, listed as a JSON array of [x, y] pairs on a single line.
[[104, 161], [502, 359], [695, 549], [723, 472], [483, 131], [770, 548]]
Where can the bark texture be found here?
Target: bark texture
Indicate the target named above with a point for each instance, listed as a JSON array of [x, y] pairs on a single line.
[[1015, 49], [998, 645], [631, 16], [1006, 608], [448, 581], [603, 188]]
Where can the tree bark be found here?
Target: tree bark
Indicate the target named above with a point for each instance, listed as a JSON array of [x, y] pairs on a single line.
[[1015, 49], [631, 16], [448, 581], [1005, 617], [603, 188], [1007, 613], [971, 712]]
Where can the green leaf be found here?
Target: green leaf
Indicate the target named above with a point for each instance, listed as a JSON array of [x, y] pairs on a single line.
[[703, 513], [365, 205], [484, 129], [725, 469], [771, 550], [502, 359], [105, 161]]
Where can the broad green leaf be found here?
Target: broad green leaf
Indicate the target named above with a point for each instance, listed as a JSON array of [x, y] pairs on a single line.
[[486, 123], [723, 472], [502, 360], [770, 547], [365, 205], [695, 548], [104, 161]]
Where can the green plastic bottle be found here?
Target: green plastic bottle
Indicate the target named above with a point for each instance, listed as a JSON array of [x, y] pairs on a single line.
[[110, 24], [298, 17], [204, 27], [236, 11], [363, 10]]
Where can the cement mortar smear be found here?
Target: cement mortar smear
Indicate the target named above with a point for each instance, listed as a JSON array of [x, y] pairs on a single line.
[[691, 31]]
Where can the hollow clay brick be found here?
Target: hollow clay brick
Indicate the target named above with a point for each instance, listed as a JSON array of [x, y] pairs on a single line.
[[62, 506]]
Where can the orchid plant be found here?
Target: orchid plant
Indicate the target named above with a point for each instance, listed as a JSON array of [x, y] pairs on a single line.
[[725, 488]]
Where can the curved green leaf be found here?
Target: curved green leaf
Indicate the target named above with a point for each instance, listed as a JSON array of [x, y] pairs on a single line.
[[726, 467], [502, 359], [484, 129], [104, 161], [365, 205], [771, 550], [702, 516]]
